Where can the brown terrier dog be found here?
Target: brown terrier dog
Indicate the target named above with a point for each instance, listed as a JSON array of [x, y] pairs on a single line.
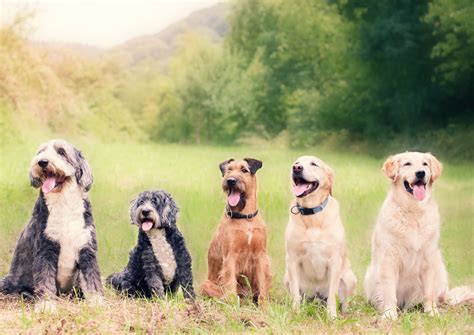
[[237, 258]]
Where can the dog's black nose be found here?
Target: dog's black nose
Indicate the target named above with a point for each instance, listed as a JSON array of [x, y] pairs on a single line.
[[145, 213], [297, 168], [420, 174], [43, 163], [231, 182]]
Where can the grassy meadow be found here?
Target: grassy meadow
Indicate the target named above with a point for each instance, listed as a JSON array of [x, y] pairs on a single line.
[[191, 175]]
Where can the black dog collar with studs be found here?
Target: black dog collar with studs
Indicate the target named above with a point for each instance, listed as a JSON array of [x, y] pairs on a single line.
[[309, 211], [236, 215]]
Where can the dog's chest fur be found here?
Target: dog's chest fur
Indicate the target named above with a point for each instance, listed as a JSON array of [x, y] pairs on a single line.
[[66, 226], [313, 240], [163, 253], [414, 228], [315, 253]]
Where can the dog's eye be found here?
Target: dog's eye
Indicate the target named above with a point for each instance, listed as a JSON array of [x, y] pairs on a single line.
[[407, 164], [314, 164], [140, 203], [425, 164], [61, 152], [244, 170], [154, 201]]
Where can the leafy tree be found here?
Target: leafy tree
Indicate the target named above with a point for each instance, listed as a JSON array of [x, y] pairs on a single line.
[[299, 43], [396, 45], [453, 28], [254, 36], [212, 98]]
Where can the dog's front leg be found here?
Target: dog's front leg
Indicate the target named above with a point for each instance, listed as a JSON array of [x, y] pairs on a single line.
[[263, 278], [152, 276], [293, 280], [90, 282], [388, 288], [334, 279], [186, 279], [228, 275], [45, 268], [429, 288]]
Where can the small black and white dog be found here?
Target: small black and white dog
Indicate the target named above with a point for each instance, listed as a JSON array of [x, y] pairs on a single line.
[[160, 262], [56, 251]]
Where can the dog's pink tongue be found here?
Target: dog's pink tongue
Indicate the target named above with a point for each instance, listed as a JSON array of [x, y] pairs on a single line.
[[147, 225], [299, 189], [48, 185], [419, 192], [233, 198]]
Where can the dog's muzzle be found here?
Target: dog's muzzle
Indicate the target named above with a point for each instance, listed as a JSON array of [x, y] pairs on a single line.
[[418, 187], [234, 192], [50, 179], [146, 219], [302, 187]]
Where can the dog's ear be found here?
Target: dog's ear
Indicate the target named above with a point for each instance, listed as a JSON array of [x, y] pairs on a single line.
[[223, 165], [331, 177], [435, 166], [170, 211], [35, 182], [254, 164], [83, 171], [390, 167], [132, 206]]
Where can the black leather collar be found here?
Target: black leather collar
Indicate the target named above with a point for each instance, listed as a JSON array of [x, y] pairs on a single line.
[[236, 215], [310, 211]]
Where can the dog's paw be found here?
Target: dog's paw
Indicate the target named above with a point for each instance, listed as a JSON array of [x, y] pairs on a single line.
[[332, 313], [46, 306], [344, 306], [432, 311], [262, 301], [232, 298], [96, 300], [296, 305], [390, 314]]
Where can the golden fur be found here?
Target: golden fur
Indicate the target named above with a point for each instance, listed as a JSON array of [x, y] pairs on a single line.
[[407, 267], [237, 256], [316, 254]]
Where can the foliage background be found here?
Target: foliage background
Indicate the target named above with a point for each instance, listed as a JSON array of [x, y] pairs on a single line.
[[368, 76]]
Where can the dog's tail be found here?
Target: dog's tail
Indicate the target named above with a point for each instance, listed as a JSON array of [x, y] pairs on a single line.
[[459, 295]]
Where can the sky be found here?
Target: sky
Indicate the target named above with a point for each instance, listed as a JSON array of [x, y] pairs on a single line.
[[100, 23]]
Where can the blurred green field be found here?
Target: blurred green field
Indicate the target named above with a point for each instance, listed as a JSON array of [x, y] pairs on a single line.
[[191, 175]]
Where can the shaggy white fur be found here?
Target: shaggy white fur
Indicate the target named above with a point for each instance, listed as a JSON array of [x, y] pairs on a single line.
[[163, 253], [67, 227]]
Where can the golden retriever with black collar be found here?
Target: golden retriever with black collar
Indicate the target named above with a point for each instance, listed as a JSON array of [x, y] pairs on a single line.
[[407, 267], [317, 265]]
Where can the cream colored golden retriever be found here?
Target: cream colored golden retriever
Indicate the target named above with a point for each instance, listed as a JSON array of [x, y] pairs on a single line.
[[407, 267], [317, 265]]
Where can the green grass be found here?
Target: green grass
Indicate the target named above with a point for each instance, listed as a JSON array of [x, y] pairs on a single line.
[[191, 175]]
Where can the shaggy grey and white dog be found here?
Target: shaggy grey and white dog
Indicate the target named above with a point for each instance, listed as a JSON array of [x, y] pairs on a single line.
[[56, 251], [160, 262]]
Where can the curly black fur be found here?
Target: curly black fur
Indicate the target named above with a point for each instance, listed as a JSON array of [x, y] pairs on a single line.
[[143, 276]]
